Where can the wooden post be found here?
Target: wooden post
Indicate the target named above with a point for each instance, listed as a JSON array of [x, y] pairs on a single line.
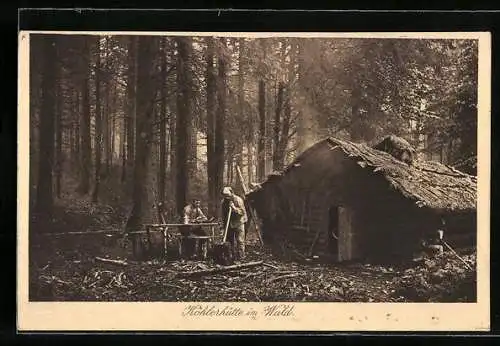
[[252, 215]]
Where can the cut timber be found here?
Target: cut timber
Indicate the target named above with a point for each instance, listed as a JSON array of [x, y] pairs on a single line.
[[112, 261], [219, 270]]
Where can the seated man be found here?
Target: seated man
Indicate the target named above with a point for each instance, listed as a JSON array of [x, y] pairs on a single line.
[[192, 215]]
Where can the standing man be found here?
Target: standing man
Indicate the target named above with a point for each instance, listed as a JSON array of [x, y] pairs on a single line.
[[238, 218]]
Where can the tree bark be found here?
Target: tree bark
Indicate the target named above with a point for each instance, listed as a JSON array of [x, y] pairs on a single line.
[[219, 149], [241, 100], [58, 133], [105, 114], [98, 123], [163, 123], [211, 92], [144, 174], [184, 118], [44, 199], [78, 116], [86, 149], [277, 129], [261, 146], [131, 104]]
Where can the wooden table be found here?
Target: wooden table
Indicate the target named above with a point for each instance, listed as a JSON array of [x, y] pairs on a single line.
[[165, 227]]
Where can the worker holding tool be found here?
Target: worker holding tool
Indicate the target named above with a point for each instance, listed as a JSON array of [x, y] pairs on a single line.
[[235, 217]]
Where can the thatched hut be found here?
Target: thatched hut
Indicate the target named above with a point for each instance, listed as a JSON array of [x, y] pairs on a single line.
[[349, 201]]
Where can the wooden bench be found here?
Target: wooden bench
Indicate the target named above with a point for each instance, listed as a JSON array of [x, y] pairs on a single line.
[[167, 235]]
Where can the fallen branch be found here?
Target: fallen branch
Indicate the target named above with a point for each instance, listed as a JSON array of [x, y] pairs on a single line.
[[107, 232], [112, 261], [283, 277], [457, 255], [51, 279], [270, 265], [219, 270]]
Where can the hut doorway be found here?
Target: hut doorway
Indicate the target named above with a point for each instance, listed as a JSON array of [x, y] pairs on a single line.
[[340, 233], [333, 230]]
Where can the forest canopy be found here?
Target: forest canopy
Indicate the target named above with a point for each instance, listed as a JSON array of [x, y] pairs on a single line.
[[170, 118]]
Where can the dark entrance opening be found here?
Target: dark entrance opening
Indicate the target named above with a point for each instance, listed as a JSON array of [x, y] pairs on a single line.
[[333, 230]]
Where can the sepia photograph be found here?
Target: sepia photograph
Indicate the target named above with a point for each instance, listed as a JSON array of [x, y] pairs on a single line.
[[247, 168]]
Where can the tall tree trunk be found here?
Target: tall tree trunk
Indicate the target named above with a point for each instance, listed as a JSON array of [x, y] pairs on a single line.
[[78, 115], [277, 129], [144, 176], [86, 149], [173, 154], [241, 98], [105, 116], [287, 111], [261, 146], [163, 123], [250, 117], [219, 149], [113, 123], [44, 200], [58, 134], [98, 123], [184, 118], [285, 133], [131, 104], [123, 149], [211, 159]]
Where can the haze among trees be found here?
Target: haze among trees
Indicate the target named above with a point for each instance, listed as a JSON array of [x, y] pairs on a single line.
[[139, 120]]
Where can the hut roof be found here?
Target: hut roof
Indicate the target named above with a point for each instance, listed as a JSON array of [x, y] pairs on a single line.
[[430, 184]]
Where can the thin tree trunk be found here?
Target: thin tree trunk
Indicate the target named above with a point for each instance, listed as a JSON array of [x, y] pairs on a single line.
[[105, 116], [277, 129], [184, 118], [58, 133], [86, 149], [285, 132], [76, 139], [261, 146], [241, 98], [98, 124], [131, 104], [123, 149], [211, 159], [163, 124], [219, 149]]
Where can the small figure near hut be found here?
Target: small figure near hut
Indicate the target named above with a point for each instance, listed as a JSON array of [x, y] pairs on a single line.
[[433, 242], [398, 147], [233, 207]]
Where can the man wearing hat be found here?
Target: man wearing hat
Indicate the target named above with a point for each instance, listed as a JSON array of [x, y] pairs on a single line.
[[238, 218]]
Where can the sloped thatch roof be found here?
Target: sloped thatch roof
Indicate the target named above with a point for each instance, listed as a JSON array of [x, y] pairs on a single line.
[[430, 184]]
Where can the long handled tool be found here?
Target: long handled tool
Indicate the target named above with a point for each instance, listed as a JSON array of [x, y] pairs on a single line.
[[227, 225], [250, 210], [453, 251]]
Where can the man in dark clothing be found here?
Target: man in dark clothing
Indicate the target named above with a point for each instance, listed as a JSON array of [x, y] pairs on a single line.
[[238, 218]]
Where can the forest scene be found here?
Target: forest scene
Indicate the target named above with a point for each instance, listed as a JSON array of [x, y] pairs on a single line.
[[126, 131]]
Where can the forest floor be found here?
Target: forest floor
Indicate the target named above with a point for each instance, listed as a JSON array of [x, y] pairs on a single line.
[[65, 268]]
